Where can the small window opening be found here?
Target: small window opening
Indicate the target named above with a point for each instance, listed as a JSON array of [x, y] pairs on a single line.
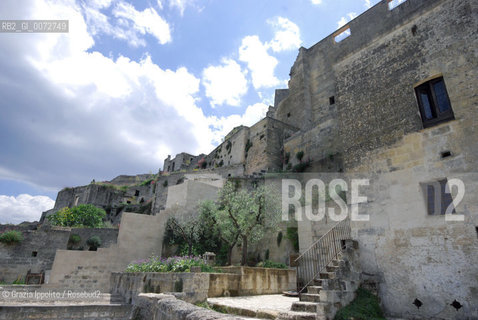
[[445, 154], [418, 303], [128, 202], [332, 100], [438, 201], [455, 304], [392, 4], [136, 193], [288, 115], [476, 230], [342, 34], [34, 253]]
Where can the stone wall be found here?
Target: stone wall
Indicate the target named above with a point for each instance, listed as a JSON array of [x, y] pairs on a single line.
[[89, 312], [36, 252], [38, 249], [197, 287], [247, 281], [150, 306], [108, 237], [373, 123], [193, 287], [140, 236], [108, 196]]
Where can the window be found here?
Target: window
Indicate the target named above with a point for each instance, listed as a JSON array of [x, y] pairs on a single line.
[[34, 253], [342, 34], [433, 101], [332, 100], [437, 200]]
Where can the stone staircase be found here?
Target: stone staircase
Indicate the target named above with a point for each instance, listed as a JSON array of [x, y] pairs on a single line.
[[331, 290]]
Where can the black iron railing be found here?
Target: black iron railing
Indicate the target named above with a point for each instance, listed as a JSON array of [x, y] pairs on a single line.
[[321, 253]]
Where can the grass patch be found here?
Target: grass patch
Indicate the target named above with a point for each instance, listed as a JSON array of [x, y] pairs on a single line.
[[364, 307], [12, 236]]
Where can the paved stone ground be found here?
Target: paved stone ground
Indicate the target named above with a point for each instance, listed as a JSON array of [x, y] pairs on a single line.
[[265, 306]]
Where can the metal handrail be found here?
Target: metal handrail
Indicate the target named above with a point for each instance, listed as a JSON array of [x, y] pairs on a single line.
[[319, 255]]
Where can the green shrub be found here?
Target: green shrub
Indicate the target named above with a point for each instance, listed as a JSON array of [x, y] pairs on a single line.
[[165, 183], [84, 215], [146, 182], [272, 264], [74, 239], [172, 264], [299, 155], [94, 242], [11, 236], [364, 307]]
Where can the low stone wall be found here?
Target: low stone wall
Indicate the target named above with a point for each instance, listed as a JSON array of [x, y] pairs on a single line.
[[245, 281], [91, 312], [197, 287], [192, 287], [150, 306]]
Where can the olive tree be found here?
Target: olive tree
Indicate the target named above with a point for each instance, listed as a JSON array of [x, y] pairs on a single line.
[[245, 215]]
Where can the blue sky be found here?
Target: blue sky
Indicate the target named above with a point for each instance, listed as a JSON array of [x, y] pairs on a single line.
[[134, 81]]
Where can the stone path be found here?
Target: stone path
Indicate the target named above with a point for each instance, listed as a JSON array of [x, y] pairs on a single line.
[[265, 306]]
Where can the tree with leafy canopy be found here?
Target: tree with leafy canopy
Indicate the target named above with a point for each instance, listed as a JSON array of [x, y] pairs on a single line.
[[221, 229], [84, 215], [186, 227], [245, 215]]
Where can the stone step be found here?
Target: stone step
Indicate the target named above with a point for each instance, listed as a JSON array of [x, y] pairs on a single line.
[[314, 289], [308, 297], [293, 315], [332, 268], [327, 275], [304, 306]]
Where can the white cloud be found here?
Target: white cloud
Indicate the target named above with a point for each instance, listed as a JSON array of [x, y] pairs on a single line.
[[223, 125], [225, 83], [146, 21], [368, 4], [23, 208], [259, 62], [316, 2], [181, 5], [287, 35], [344, 20], [94, 116]]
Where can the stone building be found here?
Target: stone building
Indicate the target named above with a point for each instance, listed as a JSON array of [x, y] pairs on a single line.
[[390, 97]]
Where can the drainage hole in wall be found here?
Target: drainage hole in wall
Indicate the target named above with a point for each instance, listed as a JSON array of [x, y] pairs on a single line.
[[455, 304], [417, 303], [445, 154]]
